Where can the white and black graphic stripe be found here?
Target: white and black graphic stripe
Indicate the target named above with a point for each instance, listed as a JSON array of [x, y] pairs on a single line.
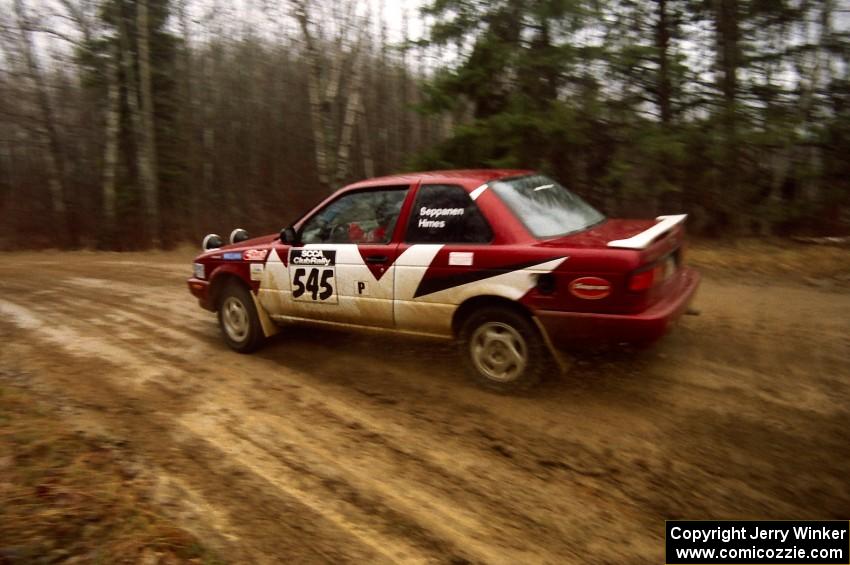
[[401, 297]]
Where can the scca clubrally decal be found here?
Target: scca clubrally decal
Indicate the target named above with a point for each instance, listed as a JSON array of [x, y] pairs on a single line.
[[312, 275], [312, 257]]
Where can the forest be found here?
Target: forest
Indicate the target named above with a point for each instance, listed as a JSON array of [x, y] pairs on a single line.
[[137, 124]]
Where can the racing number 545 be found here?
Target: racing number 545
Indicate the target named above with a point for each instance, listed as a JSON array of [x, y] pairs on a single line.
[[318, 283]]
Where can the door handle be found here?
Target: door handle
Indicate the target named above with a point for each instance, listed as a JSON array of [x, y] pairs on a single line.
[[377, 259]]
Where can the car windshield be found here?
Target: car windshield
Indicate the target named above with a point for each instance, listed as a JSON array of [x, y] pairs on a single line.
[[545, 207]]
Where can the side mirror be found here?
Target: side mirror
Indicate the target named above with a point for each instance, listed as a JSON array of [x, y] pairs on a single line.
[[288, 235]]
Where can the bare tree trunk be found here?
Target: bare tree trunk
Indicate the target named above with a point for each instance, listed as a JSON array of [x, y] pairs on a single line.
[[349, 120], [132, 92], [404, 94], [191, 207], [416, 129], [727, 36], [208, 136], [426, 122], [366, 144], [333, 120], [662, 46], [383, 93], [147, 145], [331, 89], [728, 51], [314, 91], [54, 158], [131, 88], [110, 154]]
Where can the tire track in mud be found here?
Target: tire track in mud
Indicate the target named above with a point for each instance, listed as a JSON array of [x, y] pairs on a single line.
[[80, 301], [399, 483], [312, 450], [137, 316], [68, 310], [373, 523], [275, 526], [320, 406], [205, 432]]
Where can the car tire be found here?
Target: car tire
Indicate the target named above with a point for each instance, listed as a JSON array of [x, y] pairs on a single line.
[[238, 319], [502, 349]]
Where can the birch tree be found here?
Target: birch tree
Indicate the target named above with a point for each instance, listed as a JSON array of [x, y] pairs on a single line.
[[333, 112]]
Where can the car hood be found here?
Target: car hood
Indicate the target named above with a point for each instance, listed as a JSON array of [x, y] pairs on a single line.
[[599, 235]]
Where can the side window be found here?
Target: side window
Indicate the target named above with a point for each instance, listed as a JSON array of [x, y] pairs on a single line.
[[446, 214], [367, 216]]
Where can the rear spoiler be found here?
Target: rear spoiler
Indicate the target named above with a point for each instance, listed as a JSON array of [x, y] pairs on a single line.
[[644, 238]]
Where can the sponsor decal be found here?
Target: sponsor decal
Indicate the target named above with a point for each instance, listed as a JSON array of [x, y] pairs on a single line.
[[254, 254], [318, 257], [461, 258], [257, 270], [232, 256], [590, 288]]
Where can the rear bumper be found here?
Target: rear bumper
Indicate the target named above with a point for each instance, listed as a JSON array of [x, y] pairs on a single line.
[[568, 328], [201, 290]]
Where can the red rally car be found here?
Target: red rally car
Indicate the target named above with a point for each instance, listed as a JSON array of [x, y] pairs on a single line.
[[509, 262]]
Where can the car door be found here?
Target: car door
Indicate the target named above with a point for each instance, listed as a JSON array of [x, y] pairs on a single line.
[[445, 246], [336, 270]]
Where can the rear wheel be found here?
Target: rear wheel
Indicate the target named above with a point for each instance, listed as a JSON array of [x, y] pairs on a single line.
[[238, 319], [502, 349]]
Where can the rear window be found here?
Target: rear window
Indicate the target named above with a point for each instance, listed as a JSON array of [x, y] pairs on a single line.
[[546, 207]]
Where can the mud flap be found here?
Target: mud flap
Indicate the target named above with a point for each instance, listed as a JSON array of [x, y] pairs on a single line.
[[563, 360], [269, 327]]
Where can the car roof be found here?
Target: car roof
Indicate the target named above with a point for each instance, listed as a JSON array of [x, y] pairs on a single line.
[[468, 178]]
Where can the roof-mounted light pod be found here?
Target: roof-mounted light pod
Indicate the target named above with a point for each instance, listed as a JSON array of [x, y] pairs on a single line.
[[211, 241], [238, 235]]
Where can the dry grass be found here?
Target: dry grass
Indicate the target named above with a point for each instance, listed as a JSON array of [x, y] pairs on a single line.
[[66, 498], [781, 258]]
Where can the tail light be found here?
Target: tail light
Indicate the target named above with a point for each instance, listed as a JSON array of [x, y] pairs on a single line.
[[645, 278]]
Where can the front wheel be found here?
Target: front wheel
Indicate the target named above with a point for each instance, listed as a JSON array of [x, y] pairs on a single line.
[[502, 349], [238, 319]]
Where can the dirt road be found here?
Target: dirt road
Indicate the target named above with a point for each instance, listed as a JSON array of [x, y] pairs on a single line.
[[330, 447]]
